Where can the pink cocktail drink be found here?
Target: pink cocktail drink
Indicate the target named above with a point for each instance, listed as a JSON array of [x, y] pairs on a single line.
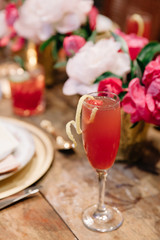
[[101, 125], [101, 136], [27, 94]]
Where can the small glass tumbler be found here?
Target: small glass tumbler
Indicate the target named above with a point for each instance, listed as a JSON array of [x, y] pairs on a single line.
[[27, 90], [139, 23]]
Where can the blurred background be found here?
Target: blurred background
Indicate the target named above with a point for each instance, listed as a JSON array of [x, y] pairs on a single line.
[[119, 10]]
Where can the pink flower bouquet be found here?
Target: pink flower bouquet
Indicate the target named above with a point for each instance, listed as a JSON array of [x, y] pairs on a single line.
[[127, 65]]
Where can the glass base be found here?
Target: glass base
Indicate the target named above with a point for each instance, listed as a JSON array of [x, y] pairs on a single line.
[[29, 112], [106, 221]]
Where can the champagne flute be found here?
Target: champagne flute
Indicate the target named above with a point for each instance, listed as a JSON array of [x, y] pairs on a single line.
[[101, 124]]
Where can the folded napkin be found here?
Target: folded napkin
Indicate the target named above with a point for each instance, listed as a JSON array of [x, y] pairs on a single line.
[[9, 164], [8, 143]]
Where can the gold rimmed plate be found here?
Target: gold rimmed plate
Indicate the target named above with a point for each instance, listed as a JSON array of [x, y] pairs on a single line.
[[36, 167]]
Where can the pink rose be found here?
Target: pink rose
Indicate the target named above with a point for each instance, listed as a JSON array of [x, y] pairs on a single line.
[[72, 44], [11, 14], [93, 18], [151, 72], [134, 42], [111, 84]]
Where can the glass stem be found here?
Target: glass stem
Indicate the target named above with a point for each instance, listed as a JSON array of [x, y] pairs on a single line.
[[102, 174]]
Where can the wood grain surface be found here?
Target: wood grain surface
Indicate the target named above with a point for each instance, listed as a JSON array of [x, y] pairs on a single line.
[[70, 186]]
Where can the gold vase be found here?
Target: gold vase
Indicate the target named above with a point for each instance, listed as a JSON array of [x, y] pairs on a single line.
[[131, 138], [53, 76], [45, 59]]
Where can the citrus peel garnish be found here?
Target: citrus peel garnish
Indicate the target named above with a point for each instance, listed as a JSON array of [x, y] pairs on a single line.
[[93, 113], [69, 133], [76, 123], [78, 112]]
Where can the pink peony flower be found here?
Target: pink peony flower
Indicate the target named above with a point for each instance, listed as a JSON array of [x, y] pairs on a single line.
[[143, 103], [72, 44], [129, 106], [153, 101], [10, 38], [134, 42], [93, 18], [4, 41], [151, 72], [11, 14], [158, 59], [17, 44], [111, 84], [134, 102]]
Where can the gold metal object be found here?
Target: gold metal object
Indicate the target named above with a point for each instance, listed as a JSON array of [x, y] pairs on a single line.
[[38, 165], [131, 138], [61, 144]]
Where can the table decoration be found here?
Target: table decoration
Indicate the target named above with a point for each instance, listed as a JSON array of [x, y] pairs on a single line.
[[22, 154], [47, 29], [101, 127], [127, 65], [22, 23], [27, 85], [36, 168]]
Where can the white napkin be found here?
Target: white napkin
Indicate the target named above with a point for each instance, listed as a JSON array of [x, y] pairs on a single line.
[[8, 143]]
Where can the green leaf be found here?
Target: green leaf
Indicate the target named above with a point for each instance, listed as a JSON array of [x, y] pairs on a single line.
[[60, 37], [147, 54], [134, 124], [92, 36], [136, 70], [55, 51], [125, 85], [124, 46], [46, 43], [60, 64], [81, 32], [121, 95], [19, 61], [106, 75]]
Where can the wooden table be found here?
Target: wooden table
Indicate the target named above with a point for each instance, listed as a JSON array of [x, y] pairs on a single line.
[[70, 185]]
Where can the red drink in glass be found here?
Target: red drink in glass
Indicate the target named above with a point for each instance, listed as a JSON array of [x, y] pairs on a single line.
[[132, 25], [101, 125], [101, 136], [27, 94]]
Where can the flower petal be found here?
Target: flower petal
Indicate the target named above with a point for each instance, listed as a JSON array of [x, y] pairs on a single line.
[[128, 105], [72, 87]]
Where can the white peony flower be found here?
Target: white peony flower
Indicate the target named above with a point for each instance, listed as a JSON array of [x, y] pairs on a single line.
[[33, 22], [93, 60], [4, 27], [40, 19], [72, 87], [103, 23]]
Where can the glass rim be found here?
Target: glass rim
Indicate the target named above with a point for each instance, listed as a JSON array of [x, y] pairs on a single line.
[[117, 100]]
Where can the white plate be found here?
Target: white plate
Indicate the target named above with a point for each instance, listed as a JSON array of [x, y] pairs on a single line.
[[25, 149], [36, 168]]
